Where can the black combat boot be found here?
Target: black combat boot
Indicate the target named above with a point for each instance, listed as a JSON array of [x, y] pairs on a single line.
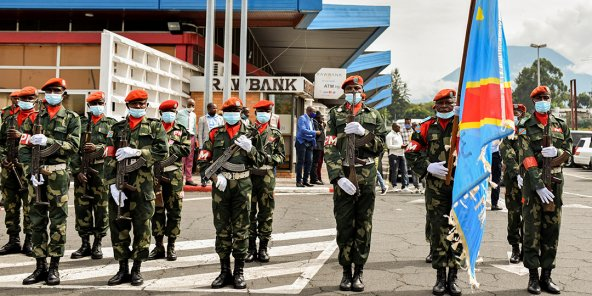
[[346, 280], [453, 287], [122, 275], [533, 281], [428, 258], [136, 276], [547, 283], [13, 246], [357, 281], [515, 257], [27, 246], [252, 251], [171, 254], [97, 253], [262, 256], [84, 250], [53, 275], [40, 273], [158, 251], [239, 277], [225, 277], [440, 286]]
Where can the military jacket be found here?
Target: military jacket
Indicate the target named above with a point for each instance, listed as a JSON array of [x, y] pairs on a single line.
[[509, 151], [336, 140], [148, 136], [99, 132], [179, 143], [431, 144], [530, 136], [273, 146], [5, 174], [63, 129], [7, 111]]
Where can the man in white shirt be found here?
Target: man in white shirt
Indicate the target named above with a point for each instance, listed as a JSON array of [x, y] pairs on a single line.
[[394, 142], [205, 124], [186, 118]]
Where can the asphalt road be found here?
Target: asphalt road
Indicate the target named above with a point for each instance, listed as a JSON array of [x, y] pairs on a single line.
[[304, 256]]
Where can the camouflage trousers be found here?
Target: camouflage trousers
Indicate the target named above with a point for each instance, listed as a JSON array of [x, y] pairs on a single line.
[[440, 201], [514, 205], [167, 220], [541, 229], [262, 205], [231, 218], [54, 215], [140, 209], [92, 215], [428, 226], [353, 217], [13, 200]]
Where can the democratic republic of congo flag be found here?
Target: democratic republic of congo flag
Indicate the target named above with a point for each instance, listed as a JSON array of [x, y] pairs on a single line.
[[485, 115]]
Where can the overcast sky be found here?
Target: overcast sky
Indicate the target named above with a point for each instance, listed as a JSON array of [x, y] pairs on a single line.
[[426, 36]]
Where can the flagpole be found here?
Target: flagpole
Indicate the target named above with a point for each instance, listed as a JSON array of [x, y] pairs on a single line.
[[453, 138]]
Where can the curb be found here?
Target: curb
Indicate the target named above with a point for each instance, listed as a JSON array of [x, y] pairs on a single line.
[[279, 189]]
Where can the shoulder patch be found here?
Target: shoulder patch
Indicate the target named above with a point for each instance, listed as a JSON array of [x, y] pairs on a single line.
[[110, 134], [522, 131]]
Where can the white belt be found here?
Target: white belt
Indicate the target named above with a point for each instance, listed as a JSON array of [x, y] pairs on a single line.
[[54, 168], [556, 170], [235, 175], [98, 161], [170, 168], [265, 167], [368, 161]]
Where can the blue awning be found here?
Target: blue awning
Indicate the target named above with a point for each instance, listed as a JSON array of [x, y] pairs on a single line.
[[377, 82], [370, 64], [381, 95], [384, 103]]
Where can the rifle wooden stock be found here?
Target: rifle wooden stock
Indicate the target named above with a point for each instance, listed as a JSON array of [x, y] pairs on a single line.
[[548, 177], [12, 155], [351, 152], [36, 160]]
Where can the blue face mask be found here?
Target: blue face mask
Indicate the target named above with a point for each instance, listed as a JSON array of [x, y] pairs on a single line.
[[445, 115], [313, 115], [263, 117], [168, 117], [542, 106], [516, 120], [26, 105], [231, 117], [349, 97], [53, 99], [96, 110], [137, 113]]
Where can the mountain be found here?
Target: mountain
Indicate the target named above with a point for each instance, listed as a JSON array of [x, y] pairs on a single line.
[[524, 56]]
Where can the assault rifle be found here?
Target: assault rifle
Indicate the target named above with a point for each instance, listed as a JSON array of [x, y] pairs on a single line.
[[124, 167], [159, 178], [88, 157], [350, 152], [222, 161], [12, 155], [37, 155], [549, 164]]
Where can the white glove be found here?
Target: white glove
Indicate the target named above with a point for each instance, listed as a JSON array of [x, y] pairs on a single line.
[[546, 152], [126, 152], [244, 142], [456, 110], [39, 139], [37, 182], [354, 128], [115, 195], [520, 181], [221, 182], [438, 170], [347, 186], [545, 195]]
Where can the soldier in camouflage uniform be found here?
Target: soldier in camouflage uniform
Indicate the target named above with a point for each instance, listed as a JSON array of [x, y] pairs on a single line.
[[353, 211], [428, 156], [231, 192], [513, 183], [91, 197], [61, 131], [541, 210], [147, 141], [263, 179], [4, 113], [14, 194], [169, 224]]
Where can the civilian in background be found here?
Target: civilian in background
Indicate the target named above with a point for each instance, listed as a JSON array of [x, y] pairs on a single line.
[[415, 177], [305, 143], [394, 143], [318, 151], [186, 118], [245, 116], [496, 174], [205, 124]]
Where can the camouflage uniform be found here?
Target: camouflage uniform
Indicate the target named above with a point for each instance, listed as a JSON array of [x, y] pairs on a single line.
[[148, 136], [231, 207], [429, 146], [4, 113], [169, 224], [86, 224], [263, 181], [509, 150], [63, 129], [353, 215], [541, 229]]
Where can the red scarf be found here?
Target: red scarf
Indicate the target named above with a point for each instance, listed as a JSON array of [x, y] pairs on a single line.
[[167, 126], [14, 109], [133, 122], [232, 130], [261, 126], [24, 114], [542, 118], [443, 122], [53, 110], [96, 119], [356, 107]]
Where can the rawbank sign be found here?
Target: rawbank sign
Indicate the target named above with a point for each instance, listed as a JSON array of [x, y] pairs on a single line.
[[328, 83], [255, 84]]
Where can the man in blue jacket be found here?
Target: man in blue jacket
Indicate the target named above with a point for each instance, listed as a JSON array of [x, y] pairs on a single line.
[[305, 142]]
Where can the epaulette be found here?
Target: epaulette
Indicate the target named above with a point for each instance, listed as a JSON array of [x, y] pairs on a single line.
[[426, 119]]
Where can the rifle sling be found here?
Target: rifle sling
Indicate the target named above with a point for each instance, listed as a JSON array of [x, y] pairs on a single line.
[[43, 153], [364, 140]]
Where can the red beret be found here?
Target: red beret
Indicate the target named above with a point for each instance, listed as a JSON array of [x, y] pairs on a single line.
[[540, 90], [54, 82], [445, 93], [15, 93], [28, 91], [168, 104], [232, 102], [520, 107], [97, 95], [263, 104], [136, 95], [356, 79]]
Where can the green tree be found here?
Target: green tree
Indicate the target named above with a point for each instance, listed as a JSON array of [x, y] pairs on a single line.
[[419, 111], [551, 76], [400, 96]]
